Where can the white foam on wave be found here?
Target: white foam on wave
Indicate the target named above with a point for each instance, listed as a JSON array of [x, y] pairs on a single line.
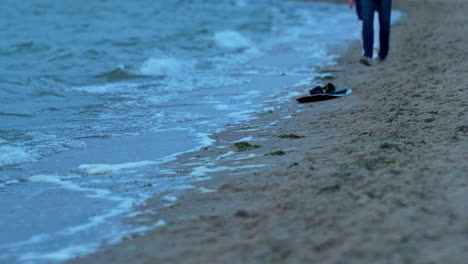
[[105, 88], [284, 97], [206, 190], [243, 157], [98, 193], [163, 66], [203, 170], [74, 251], [243, 139], [45, 178], [200, 171], [242, 115], [10, 155], [124, 203], [188, 82], [169, 198], [221, 107], [143, 229], [176, 116], [71, 251], [227, 154], [62, 254], [303, 82], [205, 139], [96, 169], [32, 240], [124, 206], [230, 39]]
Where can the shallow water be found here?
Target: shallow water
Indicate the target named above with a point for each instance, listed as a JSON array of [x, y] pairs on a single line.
[[95, 96]]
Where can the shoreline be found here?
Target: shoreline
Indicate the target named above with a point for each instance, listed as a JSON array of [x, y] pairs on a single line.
[[122, 163], [367, 163]]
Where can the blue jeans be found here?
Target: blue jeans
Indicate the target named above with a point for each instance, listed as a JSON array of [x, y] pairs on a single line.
[[384, 8]]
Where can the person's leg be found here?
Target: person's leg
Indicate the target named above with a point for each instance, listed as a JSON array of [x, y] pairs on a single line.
[[368, 9], [358, 9], [385, 10]]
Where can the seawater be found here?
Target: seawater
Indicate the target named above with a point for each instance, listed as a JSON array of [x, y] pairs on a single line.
[[96, 95]]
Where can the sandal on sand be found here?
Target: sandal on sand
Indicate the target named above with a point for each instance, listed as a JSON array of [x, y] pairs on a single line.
[[316, 90], [327, 89], [324, 93]]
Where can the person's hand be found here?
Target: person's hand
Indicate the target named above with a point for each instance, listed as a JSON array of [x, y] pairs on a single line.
[[351, 3]]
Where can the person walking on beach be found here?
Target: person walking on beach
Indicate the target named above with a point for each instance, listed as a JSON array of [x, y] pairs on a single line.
[[366, 10]]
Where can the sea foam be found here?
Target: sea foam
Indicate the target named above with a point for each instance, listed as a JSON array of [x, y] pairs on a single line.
[[231, 40], [60, 255], [105, 88], [162, 66], [10, 155], [96, 169]]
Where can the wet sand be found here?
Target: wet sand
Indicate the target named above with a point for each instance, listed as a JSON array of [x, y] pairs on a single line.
[[380, 176]]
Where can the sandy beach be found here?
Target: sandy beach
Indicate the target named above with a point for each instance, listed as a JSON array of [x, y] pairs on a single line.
[[380, 176]]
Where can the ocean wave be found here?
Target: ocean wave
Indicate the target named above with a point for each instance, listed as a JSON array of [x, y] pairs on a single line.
[[15, 115], [18, 147], [10, 155], [118, 74], [231, 40], [163, 66], [24, 47], [97, 169], [102, 89]]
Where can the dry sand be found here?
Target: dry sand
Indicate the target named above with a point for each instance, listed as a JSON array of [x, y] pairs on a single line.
[[380, 176]]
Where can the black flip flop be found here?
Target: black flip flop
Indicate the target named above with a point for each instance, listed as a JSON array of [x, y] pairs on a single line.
[[327, 92]]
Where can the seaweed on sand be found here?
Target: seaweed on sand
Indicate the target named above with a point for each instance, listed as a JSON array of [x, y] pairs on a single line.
[[276, 153], [291, 136], [244, 145]]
